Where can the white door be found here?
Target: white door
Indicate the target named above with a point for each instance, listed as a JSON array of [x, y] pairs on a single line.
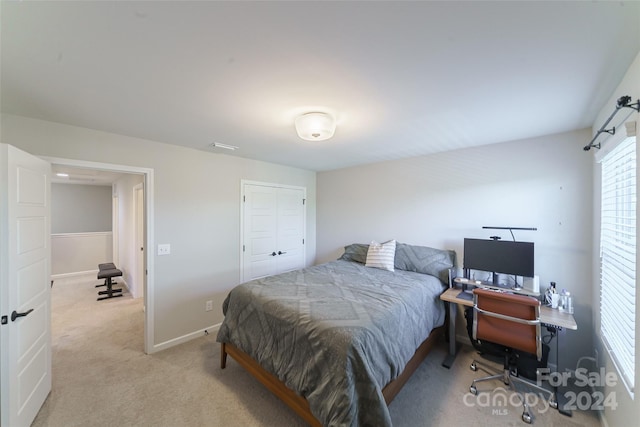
[[25, 287], [290, 229], [273, 230], [260, 231], [138, 193]]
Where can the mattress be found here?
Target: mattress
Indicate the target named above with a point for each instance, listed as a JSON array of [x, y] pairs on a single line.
[[335, 333]]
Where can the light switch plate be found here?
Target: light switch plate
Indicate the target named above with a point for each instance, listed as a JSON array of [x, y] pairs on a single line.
[[164, 249]]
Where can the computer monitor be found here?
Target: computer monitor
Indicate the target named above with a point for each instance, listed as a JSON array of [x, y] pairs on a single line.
[[499, 256]]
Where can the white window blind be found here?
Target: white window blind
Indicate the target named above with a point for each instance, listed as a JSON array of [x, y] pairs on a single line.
[[618, 257]]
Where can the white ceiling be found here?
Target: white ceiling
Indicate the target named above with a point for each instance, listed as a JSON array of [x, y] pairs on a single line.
[[79, 175], [76, 175], [402, 78]]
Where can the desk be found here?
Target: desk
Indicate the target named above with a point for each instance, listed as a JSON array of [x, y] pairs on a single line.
[[548, 316], [490, 285]]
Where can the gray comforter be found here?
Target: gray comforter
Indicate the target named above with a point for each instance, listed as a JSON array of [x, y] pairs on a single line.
[[335, 333]]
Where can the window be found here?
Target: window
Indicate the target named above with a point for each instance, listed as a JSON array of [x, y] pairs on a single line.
[[618, 257]]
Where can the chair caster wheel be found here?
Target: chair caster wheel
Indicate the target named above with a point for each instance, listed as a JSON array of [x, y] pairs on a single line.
[[526, 417], [473, 367], [473, 390]]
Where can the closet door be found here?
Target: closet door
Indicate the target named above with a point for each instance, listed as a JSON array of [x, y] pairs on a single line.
[[290, 224], [273, 219], [260, 231]]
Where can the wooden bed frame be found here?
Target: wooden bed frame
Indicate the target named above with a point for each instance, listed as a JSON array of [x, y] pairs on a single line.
[[298, 403]]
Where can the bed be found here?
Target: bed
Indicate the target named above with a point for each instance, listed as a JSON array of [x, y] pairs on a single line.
[[337, 341]]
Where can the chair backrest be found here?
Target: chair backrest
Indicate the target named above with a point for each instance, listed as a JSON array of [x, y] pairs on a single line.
[[507, 319]]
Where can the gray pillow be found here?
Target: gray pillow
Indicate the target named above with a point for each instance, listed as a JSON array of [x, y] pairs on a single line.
[[422, 259], [355, 252]]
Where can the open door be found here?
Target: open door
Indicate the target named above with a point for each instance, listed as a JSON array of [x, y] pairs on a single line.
[[25, 287], [138, 207]]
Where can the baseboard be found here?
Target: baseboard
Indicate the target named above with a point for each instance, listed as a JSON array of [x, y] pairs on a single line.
[[185, 338], [463, 339], [93, 276], [603, 419], [122, 283], [75, 274]]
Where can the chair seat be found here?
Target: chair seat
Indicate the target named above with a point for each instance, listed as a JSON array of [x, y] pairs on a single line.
[[107, 266], [103, 274]]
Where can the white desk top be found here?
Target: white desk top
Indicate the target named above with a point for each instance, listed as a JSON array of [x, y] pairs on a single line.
[[490, 285], [548, 315]]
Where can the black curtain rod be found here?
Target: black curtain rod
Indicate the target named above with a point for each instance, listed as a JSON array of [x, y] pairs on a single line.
[[623, 102]]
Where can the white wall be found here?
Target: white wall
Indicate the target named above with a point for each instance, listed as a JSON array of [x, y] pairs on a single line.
[[77, 253], [440, 199], [628, 408], [81, 228], [77, 208], [197, 211]]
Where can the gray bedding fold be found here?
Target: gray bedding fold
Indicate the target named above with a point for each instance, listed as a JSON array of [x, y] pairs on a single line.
[[335, 333]]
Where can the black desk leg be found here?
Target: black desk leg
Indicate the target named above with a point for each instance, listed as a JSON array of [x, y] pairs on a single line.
[[560, 397], [451, 357]]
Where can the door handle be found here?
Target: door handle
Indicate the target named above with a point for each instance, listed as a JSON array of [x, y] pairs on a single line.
[[281, 253], [15, 314], [273, 254]]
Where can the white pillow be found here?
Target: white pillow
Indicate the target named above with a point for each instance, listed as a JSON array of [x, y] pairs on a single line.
[[381, 255]]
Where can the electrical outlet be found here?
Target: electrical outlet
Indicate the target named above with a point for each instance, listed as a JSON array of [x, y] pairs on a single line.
[[164, 249], [208, 306]]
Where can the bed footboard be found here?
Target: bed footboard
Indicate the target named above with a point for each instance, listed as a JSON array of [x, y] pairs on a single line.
[[298, 403], [223, 356]]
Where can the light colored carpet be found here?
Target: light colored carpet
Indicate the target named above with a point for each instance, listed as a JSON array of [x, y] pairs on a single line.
[[101, 377]]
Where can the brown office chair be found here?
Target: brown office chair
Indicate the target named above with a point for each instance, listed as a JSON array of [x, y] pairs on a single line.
[[512, 321]]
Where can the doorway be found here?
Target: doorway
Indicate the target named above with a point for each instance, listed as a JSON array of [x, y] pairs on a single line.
[[146, 229]]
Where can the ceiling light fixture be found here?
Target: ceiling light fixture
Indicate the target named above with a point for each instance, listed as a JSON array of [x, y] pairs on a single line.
[[225, 146], [315, 126], [62, 175]]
